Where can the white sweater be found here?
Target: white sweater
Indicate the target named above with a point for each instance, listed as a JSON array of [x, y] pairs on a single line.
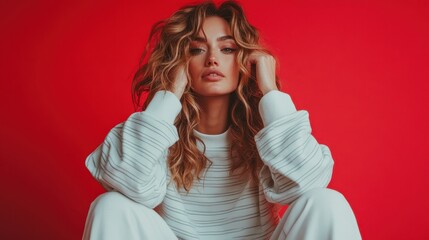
[[133, 160]]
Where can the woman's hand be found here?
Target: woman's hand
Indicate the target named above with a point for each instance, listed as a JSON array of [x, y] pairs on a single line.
[[180, 81], [265, 66]]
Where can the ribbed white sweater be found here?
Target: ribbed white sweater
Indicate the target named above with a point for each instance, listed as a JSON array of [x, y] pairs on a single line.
[[132, 160]]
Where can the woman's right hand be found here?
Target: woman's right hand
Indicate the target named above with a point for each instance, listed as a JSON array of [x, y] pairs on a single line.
[[180, 82]]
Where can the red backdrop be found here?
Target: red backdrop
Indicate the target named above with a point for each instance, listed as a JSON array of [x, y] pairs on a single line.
[[360, 69]]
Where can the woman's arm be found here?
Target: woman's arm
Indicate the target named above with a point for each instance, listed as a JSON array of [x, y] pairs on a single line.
[[132, 158], [294, 161]]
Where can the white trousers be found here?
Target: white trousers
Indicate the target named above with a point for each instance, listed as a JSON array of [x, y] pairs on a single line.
[[318, 214]]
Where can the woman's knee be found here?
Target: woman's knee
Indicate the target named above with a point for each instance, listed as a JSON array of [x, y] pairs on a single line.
[[111, 203], [114, 216], [323, 201], [324, 196], [327, 205], [320, 214]]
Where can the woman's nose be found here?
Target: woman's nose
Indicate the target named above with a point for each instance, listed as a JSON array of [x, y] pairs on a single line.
[[211, 60]]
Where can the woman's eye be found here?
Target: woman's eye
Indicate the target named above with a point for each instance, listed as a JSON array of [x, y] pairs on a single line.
[[196, 51], [228, 50]]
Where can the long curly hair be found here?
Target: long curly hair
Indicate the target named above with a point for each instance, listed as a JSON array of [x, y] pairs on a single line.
[[168, 48]]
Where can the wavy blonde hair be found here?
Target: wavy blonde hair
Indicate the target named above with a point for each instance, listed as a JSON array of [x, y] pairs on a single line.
[[168, 48]]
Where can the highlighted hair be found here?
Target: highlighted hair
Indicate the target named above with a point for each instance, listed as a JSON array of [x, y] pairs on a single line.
[[168, 48]]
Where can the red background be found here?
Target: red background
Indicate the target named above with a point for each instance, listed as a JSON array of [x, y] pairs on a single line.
[[360, 69]]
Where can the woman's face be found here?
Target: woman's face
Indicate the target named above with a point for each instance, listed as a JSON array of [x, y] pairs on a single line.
[[213, 65]]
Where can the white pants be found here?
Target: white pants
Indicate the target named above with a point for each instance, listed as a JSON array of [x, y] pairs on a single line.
[[318, 214]]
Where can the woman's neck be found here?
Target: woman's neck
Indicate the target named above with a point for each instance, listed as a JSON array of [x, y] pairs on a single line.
[[214, 114]]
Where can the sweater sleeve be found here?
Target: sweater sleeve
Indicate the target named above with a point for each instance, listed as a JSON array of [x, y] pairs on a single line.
[[294, 162], [132, 158]]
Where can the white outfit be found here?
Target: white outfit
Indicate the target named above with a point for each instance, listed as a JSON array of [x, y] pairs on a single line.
[[144, 204]]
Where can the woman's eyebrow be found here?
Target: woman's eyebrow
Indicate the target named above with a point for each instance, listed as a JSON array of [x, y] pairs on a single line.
[[222, 38]]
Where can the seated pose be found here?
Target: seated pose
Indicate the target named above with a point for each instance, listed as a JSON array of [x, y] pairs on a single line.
[[217, 148]]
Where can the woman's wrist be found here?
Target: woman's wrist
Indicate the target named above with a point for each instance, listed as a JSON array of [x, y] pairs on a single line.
[[180, 82], [268, 89]]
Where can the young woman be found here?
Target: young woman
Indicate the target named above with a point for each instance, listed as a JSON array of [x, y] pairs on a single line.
[[217, 147]]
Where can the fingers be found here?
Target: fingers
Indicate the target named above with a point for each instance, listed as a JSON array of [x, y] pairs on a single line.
[[257, 56], [265, 70]]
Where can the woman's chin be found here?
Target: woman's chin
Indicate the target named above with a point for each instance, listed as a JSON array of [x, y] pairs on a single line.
[[213, 93]]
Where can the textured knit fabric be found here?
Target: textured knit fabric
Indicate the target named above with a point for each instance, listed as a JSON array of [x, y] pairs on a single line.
[[132, 160]]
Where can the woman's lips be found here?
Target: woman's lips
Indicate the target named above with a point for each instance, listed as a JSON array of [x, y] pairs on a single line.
[[212, 75]]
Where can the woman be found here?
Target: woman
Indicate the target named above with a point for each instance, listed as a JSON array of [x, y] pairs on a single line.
[[217, 146]]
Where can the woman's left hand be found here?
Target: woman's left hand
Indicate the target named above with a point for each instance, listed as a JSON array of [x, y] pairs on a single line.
[[265, 65]]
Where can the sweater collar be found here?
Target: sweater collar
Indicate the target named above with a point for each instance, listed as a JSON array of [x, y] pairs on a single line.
[[214, 140]]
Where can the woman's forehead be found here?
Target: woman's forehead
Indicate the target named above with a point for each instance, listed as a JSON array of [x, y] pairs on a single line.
[[214, 28]]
